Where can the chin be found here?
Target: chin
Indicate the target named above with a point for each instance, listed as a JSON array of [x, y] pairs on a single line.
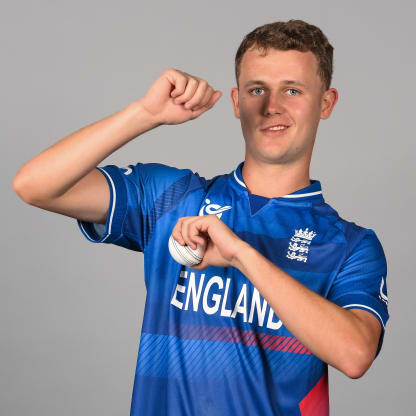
[[270, 158]]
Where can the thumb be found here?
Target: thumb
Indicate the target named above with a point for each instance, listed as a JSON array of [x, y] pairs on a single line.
[[203, 240], [215, 97]]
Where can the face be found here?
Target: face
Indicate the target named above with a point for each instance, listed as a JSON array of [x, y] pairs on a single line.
[[265, 99]]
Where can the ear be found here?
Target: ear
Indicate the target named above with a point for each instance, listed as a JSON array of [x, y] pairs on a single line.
[[234, 100], [328, 101]]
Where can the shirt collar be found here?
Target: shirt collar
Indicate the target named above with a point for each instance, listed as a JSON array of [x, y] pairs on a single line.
[[313, 192]]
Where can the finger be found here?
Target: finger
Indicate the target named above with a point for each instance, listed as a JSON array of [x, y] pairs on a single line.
[[214, 98], [178, 79], [180, 231], [199, 94], [191, 232], [202, 265], [195, 234], [205, 99], [185, 231], [177, 236], [188, 93], [177, 231], [199, 266]]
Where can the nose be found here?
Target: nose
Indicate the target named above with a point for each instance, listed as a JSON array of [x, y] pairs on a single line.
[[272, 105]]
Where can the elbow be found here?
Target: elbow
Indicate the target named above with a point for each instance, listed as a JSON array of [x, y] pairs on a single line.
[[18, 189], [21, 187], [356, 372], [358, 363], [16, 185]]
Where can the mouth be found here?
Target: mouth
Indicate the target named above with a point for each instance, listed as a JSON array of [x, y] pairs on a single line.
[[275, 130]]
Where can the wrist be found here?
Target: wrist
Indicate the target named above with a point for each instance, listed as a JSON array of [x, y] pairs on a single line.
[[143, 116], [244, 251]]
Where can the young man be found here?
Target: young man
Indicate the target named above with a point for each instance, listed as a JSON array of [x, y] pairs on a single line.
[[285, 286]]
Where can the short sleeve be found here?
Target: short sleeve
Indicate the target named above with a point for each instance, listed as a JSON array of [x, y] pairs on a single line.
[[139, 194], [361, 281]]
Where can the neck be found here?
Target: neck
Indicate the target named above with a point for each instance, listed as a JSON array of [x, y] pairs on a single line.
[[274, 181]]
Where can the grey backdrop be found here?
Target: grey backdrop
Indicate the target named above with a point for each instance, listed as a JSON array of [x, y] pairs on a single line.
[[71, 311]]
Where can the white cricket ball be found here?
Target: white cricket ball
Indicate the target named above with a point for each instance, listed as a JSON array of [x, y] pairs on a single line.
[[185, 254]]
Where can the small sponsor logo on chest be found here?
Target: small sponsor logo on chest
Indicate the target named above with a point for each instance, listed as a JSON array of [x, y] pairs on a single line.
[[215, 209]]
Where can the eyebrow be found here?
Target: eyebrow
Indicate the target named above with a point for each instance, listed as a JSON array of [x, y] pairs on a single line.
[[285, 82]]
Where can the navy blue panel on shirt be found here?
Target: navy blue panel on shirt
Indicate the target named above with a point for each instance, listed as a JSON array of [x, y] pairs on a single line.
[[257, 202]]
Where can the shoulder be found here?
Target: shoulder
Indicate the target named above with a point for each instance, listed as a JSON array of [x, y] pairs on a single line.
[[162, 177], [159, 174], [352, 234], [358, 238], [151, 170]]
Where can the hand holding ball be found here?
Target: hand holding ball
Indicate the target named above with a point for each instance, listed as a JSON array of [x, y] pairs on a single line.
[[185, 255]]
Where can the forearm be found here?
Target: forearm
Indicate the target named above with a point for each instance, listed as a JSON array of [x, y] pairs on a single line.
[[330, 332], [54, 171]]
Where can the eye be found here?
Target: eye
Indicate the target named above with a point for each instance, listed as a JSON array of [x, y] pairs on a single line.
[[256, 89], [292, 89]]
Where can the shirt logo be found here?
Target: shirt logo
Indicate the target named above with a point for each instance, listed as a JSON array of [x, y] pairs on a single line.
[[299, 245], [213, 209], [382, 296]]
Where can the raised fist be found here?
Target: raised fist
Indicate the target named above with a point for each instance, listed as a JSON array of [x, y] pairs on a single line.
[[176, 97]]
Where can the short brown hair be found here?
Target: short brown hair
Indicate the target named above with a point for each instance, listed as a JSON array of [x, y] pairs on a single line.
[[293, 34]]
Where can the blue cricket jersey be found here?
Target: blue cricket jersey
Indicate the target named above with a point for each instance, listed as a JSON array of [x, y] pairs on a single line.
[[210, 343]]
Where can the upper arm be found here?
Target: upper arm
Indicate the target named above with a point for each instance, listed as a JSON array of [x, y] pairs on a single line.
[[139, 196], [371, 330], [360, 283], [87, 200]]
